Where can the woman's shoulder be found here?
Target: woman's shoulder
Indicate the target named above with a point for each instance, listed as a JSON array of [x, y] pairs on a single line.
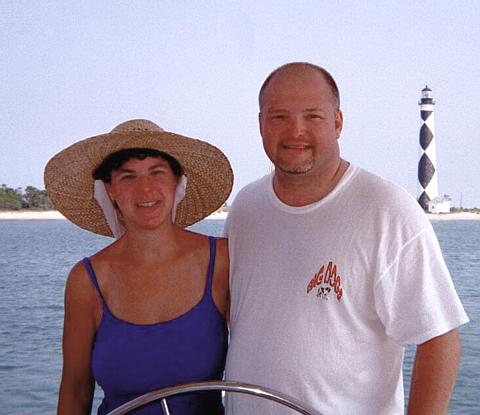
[[200, 241], [82, 303], [78, 274], [198, 244], [101, 261], [79, 286], [222, 246], [222, 258]]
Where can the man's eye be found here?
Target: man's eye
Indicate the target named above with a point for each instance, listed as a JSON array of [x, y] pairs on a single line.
[[127, 177]]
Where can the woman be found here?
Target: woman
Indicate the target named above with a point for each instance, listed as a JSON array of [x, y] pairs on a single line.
[[149, 310]]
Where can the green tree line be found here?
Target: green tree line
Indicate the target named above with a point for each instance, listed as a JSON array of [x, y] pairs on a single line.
[[30, 198]]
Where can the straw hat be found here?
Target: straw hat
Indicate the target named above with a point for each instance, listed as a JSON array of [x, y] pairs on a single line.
[[70, 185]]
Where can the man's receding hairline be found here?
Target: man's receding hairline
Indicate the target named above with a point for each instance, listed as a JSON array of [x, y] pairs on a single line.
[[299, 66]]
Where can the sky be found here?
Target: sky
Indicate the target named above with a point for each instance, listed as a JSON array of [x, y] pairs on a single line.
[[73, 69]]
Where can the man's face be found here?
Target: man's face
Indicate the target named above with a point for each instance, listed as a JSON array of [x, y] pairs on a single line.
[[299, 123]]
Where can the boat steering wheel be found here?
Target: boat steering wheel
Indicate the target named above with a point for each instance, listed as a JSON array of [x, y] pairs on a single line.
[[237, 387]]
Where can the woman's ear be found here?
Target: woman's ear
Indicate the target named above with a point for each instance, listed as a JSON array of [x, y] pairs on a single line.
[[111, 194], [108, 189]]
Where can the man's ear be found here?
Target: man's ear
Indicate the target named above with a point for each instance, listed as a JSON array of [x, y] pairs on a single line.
[[338, 123], [260, 123]]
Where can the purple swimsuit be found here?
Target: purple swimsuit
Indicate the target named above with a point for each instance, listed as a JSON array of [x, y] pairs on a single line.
[[129, 360]]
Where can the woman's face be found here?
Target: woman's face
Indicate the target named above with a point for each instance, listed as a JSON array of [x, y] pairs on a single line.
[[144, 192]]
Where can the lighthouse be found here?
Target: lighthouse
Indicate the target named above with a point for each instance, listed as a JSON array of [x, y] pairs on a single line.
[[427, 165]]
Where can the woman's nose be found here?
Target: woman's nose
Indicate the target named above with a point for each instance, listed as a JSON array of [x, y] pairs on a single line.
[[145, 182]]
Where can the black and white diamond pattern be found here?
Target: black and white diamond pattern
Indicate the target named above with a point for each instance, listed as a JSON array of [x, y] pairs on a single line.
[[427, 170]]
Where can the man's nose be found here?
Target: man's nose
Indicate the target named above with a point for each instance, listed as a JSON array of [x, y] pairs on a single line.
[[297, 127]]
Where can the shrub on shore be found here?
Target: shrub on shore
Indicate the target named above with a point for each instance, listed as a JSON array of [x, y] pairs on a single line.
[[31, 198]]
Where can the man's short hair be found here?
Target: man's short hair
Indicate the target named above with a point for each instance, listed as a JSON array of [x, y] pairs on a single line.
[[326, 75], [116, 160]]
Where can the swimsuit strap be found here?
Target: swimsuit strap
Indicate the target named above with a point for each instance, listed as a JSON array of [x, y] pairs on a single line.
[[93, 277], [211, 265]]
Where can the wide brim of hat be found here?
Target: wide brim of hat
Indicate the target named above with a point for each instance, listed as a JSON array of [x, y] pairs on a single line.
[[69, 182]]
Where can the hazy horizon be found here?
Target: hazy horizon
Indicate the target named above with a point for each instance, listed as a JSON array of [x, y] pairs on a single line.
[[71, 70]]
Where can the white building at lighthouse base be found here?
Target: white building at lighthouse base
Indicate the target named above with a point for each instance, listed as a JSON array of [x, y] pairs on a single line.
[[440, 204]]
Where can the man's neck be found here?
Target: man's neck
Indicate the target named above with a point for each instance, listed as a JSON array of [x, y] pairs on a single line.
[[302, 190]]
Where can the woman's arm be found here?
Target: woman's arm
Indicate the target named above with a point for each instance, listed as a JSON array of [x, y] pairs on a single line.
[[82, 308], [220, 287]]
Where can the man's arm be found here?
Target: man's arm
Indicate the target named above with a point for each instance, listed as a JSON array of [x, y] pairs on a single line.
[[434, 374]]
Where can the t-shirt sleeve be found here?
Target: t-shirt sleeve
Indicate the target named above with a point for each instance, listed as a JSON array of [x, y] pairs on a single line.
[[415, 296]]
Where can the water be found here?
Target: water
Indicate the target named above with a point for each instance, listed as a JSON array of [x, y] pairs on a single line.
[[35, 257], [460, 242]]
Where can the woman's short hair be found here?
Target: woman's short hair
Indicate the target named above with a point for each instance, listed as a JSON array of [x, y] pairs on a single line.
[[116, 160]]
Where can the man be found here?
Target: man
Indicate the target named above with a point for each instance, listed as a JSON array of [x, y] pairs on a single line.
[[333, 271]]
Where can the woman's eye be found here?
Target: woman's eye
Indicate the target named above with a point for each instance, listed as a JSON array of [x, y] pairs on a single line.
[[158, 172]]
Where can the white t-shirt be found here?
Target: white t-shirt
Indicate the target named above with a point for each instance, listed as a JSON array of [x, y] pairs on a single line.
[[324, 297]]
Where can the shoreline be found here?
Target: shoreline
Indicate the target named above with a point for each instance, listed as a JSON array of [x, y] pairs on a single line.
[[454, 216], [55, 215]]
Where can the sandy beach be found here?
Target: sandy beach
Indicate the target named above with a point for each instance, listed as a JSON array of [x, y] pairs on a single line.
[[54, 215], [454, 216], [31, 215]]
